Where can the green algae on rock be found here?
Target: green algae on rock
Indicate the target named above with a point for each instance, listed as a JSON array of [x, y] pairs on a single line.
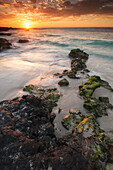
[[88, 127], [99, 150], [79, 58], [51, 95], [94, 139], [71, 74], [87, 89], [63, 82], [73, 119], [98, 106], [98, 143], [95, 142]]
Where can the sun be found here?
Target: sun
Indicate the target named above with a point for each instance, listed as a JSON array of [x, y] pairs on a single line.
[[27, 25]]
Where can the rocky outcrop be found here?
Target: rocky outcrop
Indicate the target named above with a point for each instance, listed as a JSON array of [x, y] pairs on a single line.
[[26, 130], [4, 44], [98, 106], [78, 63], [6, 28], [27, 137], [23, 41], [5, 34], [50, 95], [73, 119], [98, 145], [28, 141], [87, 89], [63, 82], [78, 54]]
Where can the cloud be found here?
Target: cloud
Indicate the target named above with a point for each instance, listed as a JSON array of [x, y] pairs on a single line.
[[55, 8], [85, 7]]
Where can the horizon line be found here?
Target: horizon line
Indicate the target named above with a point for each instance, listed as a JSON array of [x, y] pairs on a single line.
[[49, 27]]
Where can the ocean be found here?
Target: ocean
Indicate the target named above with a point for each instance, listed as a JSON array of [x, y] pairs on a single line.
[[46, 53]]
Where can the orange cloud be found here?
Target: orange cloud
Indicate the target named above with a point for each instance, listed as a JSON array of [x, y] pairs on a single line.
[[43, 10]]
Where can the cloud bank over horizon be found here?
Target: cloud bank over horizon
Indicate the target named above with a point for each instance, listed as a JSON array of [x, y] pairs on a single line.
[[54, 10]]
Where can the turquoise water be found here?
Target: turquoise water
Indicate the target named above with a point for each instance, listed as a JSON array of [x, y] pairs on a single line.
[[47, 53]]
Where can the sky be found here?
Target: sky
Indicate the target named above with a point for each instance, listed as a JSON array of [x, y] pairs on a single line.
[[56, 13]]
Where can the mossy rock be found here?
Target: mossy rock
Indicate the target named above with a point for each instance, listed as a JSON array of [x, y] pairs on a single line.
[[87, 127], [49, 96], [71, 74], [91, 103], [96, 142], [78, 65], [63, 82], [102, 83], [98, 106], [100, 149], [87, 89], [86, 92], [73, 119], [77, 53]]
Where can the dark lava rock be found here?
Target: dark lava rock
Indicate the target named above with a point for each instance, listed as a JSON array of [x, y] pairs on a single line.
[[71, 74], [5, 28], [25, 130], [77, 65], [23, 41], [78, 54], [7, 34], [4, 44], [28, 141], [63, 82], [79, 57]]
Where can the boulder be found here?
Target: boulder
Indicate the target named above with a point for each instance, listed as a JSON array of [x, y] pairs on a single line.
[[50, 95], [5, 34], [4, 44], [77, 65], [99, 106], [78, 54], [71, 74], [63, 82], [73, 119], [23, 41]]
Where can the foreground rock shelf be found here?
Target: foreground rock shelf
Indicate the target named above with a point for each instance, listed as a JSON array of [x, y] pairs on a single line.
[[27, 139]]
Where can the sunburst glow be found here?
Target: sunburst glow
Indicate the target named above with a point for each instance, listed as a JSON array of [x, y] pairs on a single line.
[[27, 25]]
